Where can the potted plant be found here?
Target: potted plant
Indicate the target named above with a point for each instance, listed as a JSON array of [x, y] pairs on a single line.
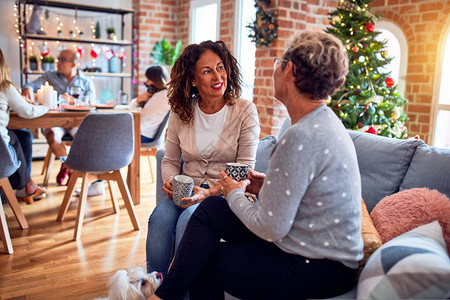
[[33, 62], [110, 32], [48, 63], [164, 54]]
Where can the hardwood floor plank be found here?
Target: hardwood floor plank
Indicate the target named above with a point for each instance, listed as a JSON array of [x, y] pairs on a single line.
[[47, 264]]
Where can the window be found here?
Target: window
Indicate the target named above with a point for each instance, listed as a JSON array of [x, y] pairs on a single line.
[[442, 110], [245, 48], [205, 16], [397, 49]]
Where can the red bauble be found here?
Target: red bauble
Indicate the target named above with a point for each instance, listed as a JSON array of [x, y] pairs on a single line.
[[389, 82], [369, 27], [372, 130], [355, 49], [94, 54]]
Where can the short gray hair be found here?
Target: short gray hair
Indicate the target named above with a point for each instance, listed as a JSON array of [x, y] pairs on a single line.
[[320, 63]]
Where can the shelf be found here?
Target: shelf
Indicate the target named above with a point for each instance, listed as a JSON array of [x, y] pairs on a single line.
[[94, 74], [72, 5], [75, 40]]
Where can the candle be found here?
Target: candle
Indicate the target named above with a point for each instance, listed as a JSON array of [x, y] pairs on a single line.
[[54, 100], [48, 95], [40, 97]]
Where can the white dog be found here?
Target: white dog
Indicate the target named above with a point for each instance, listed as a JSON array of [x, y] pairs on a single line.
[[135, 284]]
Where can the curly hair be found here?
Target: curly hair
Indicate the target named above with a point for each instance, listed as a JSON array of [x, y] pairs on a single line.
[[320, 63], [180, 89]]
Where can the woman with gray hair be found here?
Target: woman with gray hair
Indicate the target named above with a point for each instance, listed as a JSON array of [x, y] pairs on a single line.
[[302, 239]]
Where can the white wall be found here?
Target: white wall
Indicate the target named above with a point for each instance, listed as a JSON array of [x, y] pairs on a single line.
[[10, 47]]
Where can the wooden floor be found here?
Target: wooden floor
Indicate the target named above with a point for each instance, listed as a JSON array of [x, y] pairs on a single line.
[[47, 264]]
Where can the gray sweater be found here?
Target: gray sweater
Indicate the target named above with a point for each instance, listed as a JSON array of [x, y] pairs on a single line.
[[309, 203]]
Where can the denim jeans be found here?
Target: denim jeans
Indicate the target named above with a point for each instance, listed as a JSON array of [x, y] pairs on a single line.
[[166, 226]]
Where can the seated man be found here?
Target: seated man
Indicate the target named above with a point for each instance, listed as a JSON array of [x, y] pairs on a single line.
[[65, 80]]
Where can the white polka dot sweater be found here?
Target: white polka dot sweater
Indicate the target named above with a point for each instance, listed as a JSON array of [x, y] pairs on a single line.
[[310, 201]]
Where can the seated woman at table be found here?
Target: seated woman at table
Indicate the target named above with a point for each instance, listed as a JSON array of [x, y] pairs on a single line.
[[209, 125], [302, 240], [153, 103], [10, 98]]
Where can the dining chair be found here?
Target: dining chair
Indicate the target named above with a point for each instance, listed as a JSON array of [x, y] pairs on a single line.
[[7, 168], [49, 159], [103, 145], [150, 149]]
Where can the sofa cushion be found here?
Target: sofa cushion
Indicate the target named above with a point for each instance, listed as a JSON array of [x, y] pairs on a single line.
[[406, 210], [430, 168], [413, 265], [265, 147], [383, 163]]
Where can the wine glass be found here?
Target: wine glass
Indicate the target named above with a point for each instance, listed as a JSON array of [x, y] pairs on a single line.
[[75, 92]]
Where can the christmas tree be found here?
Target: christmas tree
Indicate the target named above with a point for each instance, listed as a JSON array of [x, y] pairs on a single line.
[[369, 100]]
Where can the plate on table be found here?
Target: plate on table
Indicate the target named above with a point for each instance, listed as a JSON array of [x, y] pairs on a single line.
[[77, 108], [104, 105]]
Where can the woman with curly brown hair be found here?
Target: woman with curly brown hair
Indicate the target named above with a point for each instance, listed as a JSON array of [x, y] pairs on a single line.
[[302, 239], [209, 125]]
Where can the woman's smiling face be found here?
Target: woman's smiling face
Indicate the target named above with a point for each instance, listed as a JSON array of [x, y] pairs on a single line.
[[210, 76]]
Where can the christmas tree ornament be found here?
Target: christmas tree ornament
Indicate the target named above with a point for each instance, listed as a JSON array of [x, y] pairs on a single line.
[[80, 51], [44, 49], [328, 101], [371, 110], [372, 130], [395, 114], [335, 19], [122, 53], [361, 59], [359, 125], [107, 52], [355, 49], [95, 51], [370, 27], [384, 53], [389, 82]]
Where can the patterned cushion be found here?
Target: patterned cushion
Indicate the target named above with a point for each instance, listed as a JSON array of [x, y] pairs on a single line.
[[413, 265]]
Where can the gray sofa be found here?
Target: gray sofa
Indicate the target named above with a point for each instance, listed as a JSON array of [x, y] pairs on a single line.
[[386, 165]]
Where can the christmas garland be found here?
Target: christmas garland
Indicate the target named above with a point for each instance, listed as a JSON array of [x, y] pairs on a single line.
[[263, 29]]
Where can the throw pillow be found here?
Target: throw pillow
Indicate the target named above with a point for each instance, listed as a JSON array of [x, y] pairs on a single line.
[[413, 265], [408, 209], [371, 238]]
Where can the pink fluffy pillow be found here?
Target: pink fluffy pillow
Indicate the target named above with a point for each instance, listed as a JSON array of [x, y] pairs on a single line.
[[408, 209]]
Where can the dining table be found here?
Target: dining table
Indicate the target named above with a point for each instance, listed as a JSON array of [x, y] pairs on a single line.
[[70, 119]]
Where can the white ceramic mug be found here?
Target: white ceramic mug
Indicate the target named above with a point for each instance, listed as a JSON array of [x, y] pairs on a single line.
[[182, 188]]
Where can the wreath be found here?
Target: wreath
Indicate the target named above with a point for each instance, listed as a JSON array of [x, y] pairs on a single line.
[[263, 29]]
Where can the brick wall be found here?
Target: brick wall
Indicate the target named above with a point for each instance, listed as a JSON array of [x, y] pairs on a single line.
[[423, 23], [154, 19], [291, 16], [421, 20]]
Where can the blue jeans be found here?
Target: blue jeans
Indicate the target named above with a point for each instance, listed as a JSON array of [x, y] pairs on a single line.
[[166, 226], [145, 139]]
